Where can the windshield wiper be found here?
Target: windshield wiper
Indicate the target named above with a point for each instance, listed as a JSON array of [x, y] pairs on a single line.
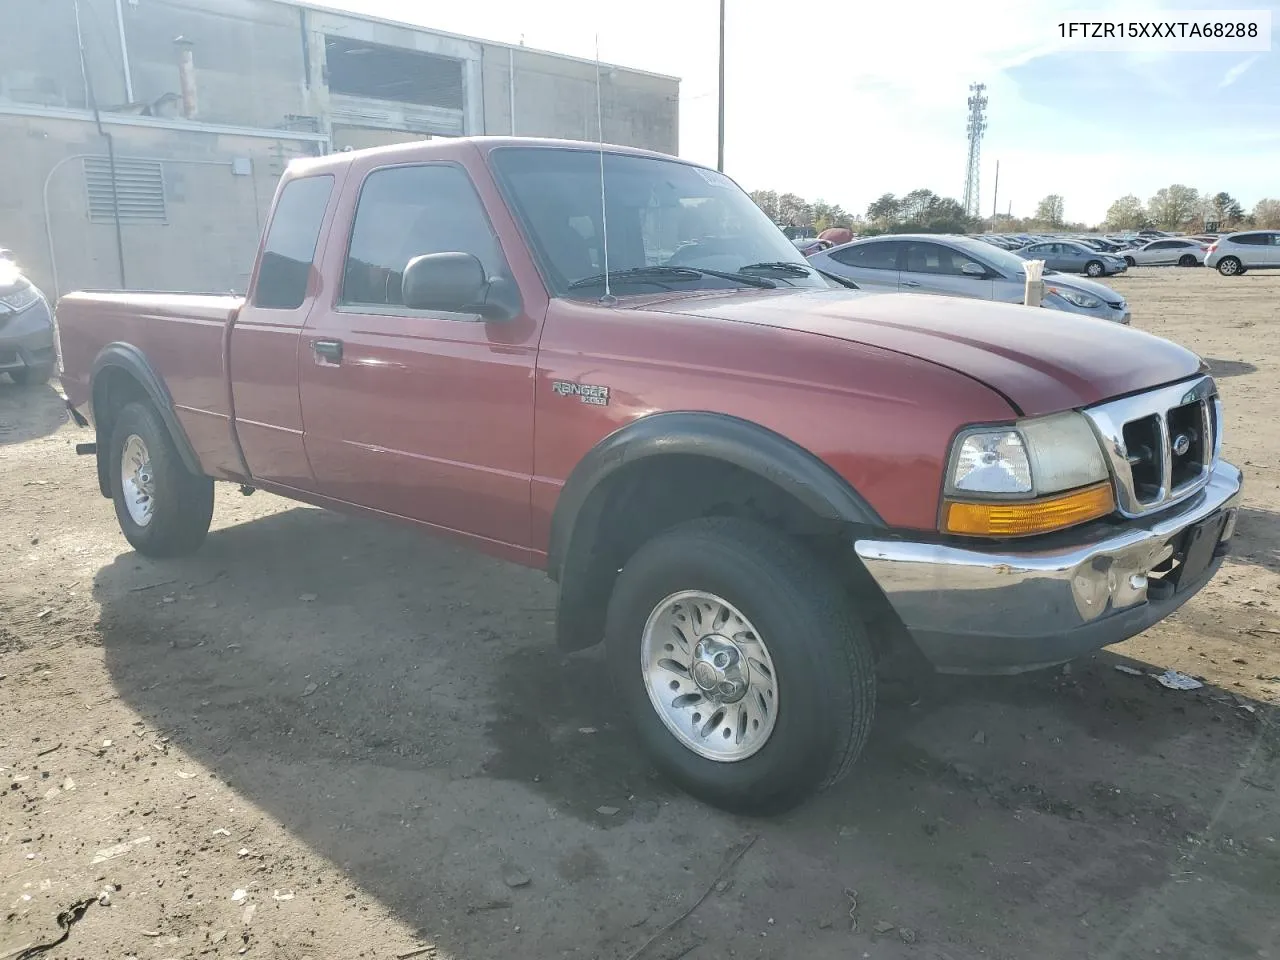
[[782, 266], [668, 272]]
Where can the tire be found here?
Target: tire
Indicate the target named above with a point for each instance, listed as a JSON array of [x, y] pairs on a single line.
[[1130, 261], [178, 503], [1230, 267], [823, 668], [1188, 260], [29, 376], [1094, 268]]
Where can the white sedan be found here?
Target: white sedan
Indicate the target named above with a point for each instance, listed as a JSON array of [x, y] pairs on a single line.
[[1166, 252]]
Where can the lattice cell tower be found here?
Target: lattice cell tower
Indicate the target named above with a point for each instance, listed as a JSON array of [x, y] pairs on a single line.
[[976, 127]]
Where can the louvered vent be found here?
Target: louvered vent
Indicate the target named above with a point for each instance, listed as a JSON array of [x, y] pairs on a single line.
[[139, 184]]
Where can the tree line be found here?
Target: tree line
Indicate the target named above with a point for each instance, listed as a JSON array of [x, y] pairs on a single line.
[[1179, 207], [1176, 207]]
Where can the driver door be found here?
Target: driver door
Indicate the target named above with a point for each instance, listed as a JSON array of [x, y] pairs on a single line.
[[426, 415], [929, 267]]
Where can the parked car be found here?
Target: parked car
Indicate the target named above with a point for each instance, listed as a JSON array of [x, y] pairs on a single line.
[[961, 267], [26, 326], [1166, 252], [810, 245], [1071, 256], [1235, 253], [430, 336], [1099, 243]]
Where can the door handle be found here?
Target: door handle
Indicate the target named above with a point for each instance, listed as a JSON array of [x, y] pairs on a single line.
[[328, 350], [911, 283]]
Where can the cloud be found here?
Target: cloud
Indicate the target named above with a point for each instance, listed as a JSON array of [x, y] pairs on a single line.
[[1236, 72]]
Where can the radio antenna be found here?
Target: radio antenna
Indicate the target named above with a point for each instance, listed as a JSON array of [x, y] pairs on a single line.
[[604, 213]]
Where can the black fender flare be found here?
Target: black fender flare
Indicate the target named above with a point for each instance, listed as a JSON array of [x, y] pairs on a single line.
[[131, 360], [717, 436]]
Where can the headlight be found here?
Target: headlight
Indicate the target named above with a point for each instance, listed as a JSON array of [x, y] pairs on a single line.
[[21, 297], [1082, 300], [1038, 475]]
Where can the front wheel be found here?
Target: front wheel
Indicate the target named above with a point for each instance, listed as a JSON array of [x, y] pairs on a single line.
[[1130, 261], [1093, 268], [749, 679], [1230, 267], [164, 510], [1188, 260]]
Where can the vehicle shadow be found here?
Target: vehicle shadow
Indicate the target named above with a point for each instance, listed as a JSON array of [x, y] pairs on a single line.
[[1222, 369], [349, 678], [1257, 538], [29, 412]]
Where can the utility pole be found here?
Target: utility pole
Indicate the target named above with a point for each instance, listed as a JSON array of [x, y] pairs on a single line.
[[995, 195], [720, 140]]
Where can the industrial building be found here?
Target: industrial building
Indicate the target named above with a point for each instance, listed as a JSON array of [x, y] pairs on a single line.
[[198, 105]]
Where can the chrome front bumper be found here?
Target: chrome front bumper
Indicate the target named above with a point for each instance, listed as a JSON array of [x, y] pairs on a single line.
[[1006, 610]]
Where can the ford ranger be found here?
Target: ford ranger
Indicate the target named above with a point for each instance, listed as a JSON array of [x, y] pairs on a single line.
[[747, 480]]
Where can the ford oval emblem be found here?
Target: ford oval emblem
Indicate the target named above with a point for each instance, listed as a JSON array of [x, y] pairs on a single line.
[[1181, 444]]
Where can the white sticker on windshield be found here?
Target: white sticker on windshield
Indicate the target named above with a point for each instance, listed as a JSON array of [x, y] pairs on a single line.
[[715, 178]]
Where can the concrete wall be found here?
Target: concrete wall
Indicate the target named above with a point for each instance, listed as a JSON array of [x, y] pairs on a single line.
[[248, 56], [556, 97], [259, 68], [213, 216]]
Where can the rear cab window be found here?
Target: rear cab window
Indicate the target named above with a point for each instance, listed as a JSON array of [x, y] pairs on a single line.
[[290, 245]]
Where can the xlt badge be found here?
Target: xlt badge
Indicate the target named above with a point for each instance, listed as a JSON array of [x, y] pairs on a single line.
[[586, 392]]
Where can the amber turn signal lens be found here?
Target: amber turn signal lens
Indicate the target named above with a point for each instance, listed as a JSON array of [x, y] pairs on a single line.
[[1022, 519]]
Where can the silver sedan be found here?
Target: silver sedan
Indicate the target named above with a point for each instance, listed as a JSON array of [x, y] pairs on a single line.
[[1072, 256], [956, 266], [1167, 252]]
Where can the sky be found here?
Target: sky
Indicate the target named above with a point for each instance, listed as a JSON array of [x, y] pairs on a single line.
[[844, 102]]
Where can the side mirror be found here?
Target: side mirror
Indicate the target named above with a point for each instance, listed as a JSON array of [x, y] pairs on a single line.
[[973, 269], [455, 282]]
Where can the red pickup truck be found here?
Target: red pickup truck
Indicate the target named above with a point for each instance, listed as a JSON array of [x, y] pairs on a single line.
[[749, 481]]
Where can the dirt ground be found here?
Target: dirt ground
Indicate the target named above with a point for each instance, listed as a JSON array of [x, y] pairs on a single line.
[[329, 739]]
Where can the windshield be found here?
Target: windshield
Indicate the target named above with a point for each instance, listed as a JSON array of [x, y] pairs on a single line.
[[1004, 261], [661, 213]]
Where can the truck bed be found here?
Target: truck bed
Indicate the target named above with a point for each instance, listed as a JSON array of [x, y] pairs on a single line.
[[181, 334]]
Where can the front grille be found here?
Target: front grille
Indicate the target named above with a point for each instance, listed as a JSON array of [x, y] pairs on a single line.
[[1161, 444], [1188, 426], [1142, 445], [1115, 304]]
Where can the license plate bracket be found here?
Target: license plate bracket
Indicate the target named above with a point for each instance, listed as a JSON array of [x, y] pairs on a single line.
[[1198, 546]]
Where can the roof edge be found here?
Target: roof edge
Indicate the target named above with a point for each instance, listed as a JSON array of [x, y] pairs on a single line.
[[386, 21]]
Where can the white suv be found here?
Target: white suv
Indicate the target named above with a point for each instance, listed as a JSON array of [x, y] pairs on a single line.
[[1238, 252]]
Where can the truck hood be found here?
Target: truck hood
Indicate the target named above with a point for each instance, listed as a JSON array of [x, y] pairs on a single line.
[[1042, 361]]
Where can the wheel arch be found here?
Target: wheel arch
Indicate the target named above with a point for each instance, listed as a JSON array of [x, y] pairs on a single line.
[[121, 373], [674, 466]]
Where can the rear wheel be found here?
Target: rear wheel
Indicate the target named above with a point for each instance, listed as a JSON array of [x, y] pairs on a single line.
[[1093, 268], [1230, 267], [30, 375], [750, 681], [163, 509], [1188, 260]]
